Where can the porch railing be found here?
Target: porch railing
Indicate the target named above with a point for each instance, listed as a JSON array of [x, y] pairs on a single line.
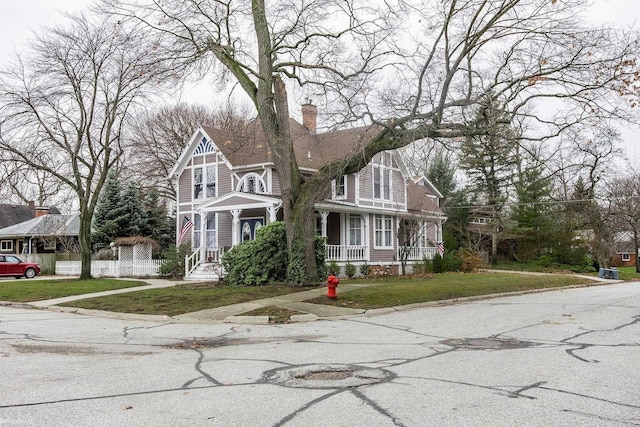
[[213, 254], [416, 253], [346, 253], [192, 261]]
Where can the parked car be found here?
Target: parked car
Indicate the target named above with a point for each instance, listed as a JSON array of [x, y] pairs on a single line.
[[11, 265]]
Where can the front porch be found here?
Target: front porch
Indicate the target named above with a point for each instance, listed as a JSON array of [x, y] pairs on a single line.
[[349, 253]]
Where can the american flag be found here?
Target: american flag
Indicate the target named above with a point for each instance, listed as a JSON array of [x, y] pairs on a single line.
[[441, 248], [184, 229]]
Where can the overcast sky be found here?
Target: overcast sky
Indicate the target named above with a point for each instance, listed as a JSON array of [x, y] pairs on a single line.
[[18, 18]]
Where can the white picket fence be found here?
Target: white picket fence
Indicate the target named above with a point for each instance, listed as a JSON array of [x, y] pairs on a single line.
[[146, 268]]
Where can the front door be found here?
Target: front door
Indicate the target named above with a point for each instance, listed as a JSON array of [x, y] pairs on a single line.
[[248, 228]]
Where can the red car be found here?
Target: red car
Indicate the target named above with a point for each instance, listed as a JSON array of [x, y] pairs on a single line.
[[11, 265]]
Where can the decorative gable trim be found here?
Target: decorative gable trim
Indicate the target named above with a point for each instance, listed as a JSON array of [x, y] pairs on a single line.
[[200, 143]]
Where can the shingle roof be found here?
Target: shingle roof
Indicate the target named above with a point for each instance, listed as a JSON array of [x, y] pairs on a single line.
[[15, 214], [46, 225], [249, 146]]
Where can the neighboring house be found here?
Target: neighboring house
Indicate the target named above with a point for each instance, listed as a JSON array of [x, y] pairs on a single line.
[[624, 252], [228, 187], [48, 233], [15, 214]]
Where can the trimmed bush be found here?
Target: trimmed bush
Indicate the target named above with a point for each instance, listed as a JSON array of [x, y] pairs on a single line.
[[349, 270], [365, 269], [471, 261], [333, 268]]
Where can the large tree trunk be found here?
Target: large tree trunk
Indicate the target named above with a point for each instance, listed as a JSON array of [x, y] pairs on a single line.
[[84, 236]]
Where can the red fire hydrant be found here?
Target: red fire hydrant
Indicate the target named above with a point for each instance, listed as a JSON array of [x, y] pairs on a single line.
[[332, 284]]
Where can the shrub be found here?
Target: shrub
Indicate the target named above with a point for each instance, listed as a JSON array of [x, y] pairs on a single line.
[[265, 259], [427, 265], [259, 261], [333, 268], [438, 264], [173, 265], [471, 261], [365, 269], [349, 270]]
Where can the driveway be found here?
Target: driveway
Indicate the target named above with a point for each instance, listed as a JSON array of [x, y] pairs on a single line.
[[566, 357]]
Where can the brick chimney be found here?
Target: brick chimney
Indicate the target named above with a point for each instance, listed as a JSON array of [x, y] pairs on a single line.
[[41, 211], [309, 113], [32, 205]]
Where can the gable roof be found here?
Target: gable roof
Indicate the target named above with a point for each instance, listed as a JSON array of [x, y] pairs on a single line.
[[46, 225], [249, 145], [15, 214]]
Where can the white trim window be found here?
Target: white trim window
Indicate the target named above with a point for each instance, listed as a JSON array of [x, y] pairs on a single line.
[[196, 231], [252, 183], [355, 230], [339, 188], [197, 183], [212, 238], [626, 257], [6, 245], [382, 177], [383, 231], [211, 181]]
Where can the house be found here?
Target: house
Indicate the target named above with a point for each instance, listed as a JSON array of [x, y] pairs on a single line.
[[624, 253], [228, 188], [46, 233], [14, 214]]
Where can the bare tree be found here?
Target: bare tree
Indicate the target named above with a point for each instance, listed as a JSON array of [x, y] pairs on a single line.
[[624, 195], [65, 106], [442, 58], [160, 136]]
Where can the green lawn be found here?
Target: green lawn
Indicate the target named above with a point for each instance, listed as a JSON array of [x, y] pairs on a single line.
[[444, 286], [389, 291], [183, 298], [37, 290]]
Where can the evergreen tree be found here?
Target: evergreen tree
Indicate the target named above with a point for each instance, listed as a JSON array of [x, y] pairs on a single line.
[[441, 171], [159, 226], [134, 220], [532, 213], [489, 158], [108, 219]]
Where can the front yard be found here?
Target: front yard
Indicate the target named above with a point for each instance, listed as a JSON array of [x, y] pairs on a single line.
[[24, 290]]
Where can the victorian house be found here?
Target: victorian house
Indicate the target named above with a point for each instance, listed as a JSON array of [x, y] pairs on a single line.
[[227, 188]]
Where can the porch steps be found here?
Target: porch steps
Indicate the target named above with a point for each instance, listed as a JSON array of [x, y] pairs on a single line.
[[209, 271]]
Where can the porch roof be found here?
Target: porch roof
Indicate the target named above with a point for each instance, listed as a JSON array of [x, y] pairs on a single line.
[[238, 200], [331, 206]]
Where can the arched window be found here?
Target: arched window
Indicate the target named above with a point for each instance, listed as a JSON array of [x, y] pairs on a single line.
[[252, 183]]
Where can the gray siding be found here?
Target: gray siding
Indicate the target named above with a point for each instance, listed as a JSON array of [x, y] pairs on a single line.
[[351, 188], [366, 183], [275, 183], [224, 230], [224, 179], [397, 187], [184, 186]]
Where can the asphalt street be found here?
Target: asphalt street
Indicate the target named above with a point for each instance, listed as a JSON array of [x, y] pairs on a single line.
[[559, 358]]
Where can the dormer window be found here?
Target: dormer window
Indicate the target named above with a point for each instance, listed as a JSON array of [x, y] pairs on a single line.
[[339, 188], [252, 183]]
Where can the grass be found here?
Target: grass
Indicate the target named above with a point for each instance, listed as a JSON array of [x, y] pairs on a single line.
[[37, 290], [443, 286], [183, 298]]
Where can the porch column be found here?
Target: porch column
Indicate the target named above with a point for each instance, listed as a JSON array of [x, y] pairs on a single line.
[[273, 212], [203, 235], [235, 227], [439, 232], [367, 238], [323, 223]]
